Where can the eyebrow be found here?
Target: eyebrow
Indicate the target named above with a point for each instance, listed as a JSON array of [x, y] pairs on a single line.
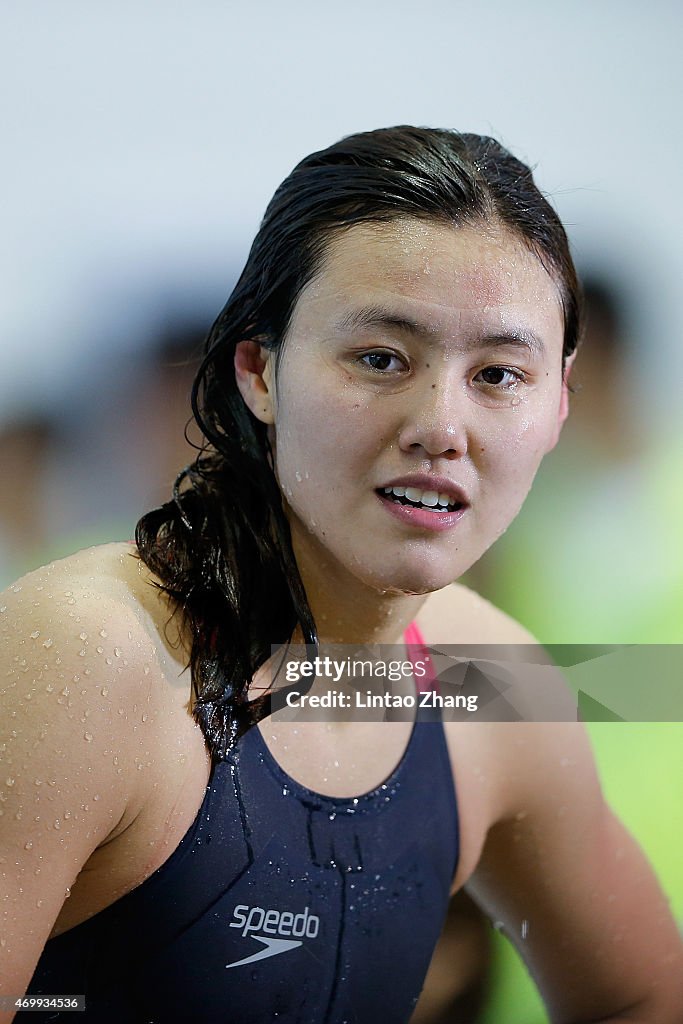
[[382, 316]]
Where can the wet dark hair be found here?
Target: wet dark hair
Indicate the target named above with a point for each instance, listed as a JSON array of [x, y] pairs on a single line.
[[221, 547]]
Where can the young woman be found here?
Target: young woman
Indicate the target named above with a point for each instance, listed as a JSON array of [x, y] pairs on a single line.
[[377, 396]]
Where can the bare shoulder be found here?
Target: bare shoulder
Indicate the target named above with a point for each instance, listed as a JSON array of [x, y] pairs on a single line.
[[109, 588], [76, 653], [517, 737], [458, 614]]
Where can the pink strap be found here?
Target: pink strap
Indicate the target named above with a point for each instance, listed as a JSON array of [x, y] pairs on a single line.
[[418, 651]]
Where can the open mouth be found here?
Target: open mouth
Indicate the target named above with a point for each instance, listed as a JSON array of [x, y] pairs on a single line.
[[413, 497]]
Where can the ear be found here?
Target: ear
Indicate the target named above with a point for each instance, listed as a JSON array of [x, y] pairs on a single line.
[[563, 408], [255, 380]]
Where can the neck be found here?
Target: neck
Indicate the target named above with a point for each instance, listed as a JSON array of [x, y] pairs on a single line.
[[347, 610]]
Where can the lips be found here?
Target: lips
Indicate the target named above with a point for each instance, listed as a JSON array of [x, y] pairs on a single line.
[[424, 501]]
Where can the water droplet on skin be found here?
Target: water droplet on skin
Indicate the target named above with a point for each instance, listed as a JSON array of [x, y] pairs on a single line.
[[87, 736], [117, 652], [35, 634], [57, 823], [104, 691], [82, 653], [100, 650], [48, 643], [71, 600], [67, 892], [146, 670], [525, 929], [39, 903], [9, 781], [103, 632], [108, 661], [145, 717], [96, 796]]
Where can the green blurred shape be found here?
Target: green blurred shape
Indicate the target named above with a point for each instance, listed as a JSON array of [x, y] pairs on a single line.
[[592, 710]]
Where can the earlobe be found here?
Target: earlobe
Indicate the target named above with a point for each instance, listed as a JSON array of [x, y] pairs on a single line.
[[253, 373]]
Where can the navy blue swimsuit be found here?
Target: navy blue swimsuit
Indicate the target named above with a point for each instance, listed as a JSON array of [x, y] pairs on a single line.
[[279, 904]]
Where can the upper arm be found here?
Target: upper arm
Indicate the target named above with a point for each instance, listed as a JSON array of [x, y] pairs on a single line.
[[573, 890], [65, 775]]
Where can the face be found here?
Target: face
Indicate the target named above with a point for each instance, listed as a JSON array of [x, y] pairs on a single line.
[[420, 385]]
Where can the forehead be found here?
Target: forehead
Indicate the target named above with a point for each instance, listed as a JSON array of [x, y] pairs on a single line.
[[476, 269]]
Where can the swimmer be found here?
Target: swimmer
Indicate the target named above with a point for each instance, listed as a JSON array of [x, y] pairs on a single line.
[[376, 398]]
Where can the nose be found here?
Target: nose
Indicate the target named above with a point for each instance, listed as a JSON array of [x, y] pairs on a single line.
[[435, 421]]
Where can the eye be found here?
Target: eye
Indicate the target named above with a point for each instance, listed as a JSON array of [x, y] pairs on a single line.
[[382, 361], [502, 377]]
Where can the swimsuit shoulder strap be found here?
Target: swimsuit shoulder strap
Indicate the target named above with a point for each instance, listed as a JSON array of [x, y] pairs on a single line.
[[419, 651]]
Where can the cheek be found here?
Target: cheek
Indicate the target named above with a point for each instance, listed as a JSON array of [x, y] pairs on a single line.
[[322, 440], [510, 457]]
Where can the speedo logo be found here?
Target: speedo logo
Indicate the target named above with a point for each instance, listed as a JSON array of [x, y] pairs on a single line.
[[272, 926]]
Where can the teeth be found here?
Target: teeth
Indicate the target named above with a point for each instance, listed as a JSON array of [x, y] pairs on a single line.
[[431, 499]]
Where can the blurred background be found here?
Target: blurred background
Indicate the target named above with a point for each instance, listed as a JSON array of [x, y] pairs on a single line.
[[141, 144]]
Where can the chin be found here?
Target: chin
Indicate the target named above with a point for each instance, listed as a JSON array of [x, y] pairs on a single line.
[[410, 583]]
